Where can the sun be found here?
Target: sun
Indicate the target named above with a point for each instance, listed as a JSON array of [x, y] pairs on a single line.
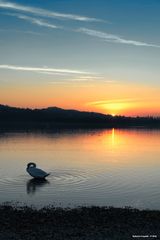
[[114, 108]]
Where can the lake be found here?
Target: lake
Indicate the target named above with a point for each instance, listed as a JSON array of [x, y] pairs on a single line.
[[88, 167]]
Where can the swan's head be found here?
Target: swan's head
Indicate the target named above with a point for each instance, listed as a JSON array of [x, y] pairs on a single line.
[[31, 164]]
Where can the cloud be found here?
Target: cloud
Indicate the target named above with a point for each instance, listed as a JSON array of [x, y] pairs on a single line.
[[92, 79], [63, 75], [86, 78], [114, 38], [20, 31], [70, 84], [113, 101], [36, 21], [72, 75], [45, 13], [42, 69]]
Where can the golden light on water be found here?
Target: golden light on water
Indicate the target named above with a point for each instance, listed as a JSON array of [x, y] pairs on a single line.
[[84, 149], [113, 136]]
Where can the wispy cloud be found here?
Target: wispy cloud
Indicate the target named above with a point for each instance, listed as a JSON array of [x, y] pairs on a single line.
[[44, 12], [42, 69], [114, 38], [86, 78], [21, 31], [92, 79], [36, 21], [70, 84], [113, 101]]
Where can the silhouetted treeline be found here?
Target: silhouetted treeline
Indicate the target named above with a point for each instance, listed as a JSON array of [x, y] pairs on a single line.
[[56, 117]]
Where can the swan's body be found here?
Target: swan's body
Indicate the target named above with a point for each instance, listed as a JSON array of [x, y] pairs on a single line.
[[36, 172]]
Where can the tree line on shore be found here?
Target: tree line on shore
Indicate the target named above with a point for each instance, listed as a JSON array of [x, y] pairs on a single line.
[[54, 117]]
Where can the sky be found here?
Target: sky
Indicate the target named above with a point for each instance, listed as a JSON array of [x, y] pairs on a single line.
[[90, 55]]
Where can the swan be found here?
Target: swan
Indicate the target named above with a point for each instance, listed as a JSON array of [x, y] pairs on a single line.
[[36, 172]]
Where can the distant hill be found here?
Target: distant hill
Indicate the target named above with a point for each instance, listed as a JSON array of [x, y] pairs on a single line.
[[57, 117]]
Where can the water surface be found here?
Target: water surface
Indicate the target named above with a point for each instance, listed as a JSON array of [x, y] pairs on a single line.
[[104, 167]]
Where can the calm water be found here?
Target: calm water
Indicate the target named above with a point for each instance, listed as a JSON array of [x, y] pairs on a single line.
[[106, 167]]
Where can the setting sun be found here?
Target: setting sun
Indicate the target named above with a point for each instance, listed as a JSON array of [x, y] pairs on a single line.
[[114, 108], [79, 119]]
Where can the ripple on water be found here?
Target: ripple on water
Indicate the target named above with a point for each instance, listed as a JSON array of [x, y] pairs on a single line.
[[12, 185], [89, 180], [71, 180]]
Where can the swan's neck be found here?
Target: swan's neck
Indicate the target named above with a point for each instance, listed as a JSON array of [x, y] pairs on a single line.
[[31, 165]]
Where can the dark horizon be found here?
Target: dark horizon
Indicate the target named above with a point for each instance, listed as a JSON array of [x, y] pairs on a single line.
[[76, 110], [54, 117]]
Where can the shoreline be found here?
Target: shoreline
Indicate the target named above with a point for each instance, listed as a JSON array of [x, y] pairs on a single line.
[[87, 223]]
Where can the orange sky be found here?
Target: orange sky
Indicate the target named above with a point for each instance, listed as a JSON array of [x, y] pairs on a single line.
[[110, 98], [92, 57]]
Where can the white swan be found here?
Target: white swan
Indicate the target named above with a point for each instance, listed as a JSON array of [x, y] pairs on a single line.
[[36, 172]]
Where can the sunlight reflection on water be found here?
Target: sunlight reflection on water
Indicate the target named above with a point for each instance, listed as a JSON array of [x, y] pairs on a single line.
[[103, 167]]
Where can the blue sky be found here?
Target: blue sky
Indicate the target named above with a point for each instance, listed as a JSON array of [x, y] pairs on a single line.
[[63, 40], [24, 42]]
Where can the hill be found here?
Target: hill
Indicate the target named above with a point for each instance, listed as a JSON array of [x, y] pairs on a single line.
[[57, 117]]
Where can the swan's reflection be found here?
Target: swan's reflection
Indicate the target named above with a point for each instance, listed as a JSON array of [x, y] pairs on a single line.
[[34, 184]]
